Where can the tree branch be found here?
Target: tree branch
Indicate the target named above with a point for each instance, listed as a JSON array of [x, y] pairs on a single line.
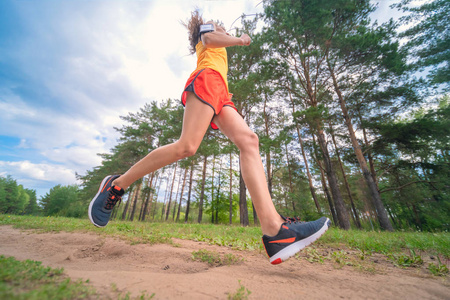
[[405, 185]]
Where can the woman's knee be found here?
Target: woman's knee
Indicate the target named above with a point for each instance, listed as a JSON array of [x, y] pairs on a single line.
[[186, 149], [248, 141]]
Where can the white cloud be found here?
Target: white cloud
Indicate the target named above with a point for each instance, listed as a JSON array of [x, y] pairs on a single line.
[[26, 170], [12, 107]]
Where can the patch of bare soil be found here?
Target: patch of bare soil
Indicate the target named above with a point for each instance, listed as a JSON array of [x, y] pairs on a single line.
[[170, 272]]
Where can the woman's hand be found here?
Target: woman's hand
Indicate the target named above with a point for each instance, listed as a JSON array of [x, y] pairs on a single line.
[[246, 39]]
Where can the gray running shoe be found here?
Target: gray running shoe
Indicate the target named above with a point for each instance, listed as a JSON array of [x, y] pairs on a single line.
[[293, 236], [103, 203]]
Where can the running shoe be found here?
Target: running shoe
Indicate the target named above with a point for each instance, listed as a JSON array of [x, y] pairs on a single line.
[[293, 236], [101, 206]]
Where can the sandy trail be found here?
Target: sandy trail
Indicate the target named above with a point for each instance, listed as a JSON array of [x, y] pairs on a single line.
[[170, 272]]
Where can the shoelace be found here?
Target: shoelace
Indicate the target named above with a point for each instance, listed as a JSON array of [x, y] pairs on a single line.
[[112, 200], [294, 220]]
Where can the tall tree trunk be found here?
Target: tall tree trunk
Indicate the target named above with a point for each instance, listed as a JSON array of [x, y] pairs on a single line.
[[286, 197], [231, 189], [349, 192], [202, 193], [308, 173], [163, 208], [188, 204], [212, 189], [341, 212], [155, 205], [127, 205], [268, 158], [115, 211], [243, 211], [154, 197], [369, 152], [136, 197], [144, 197], [255, 216], [291, 188], [396, 222], [308, 84], [327, 194], [171, 192], [216, 213], [383, 218], [149, 196], [125, 210], [182, 191], [176, 198]]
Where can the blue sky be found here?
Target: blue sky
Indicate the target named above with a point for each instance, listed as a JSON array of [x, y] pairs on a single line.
[[69, 69]]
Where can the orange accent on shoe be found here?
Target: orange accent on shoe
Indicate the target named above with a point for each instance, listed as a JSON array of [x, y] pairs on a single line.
[[106, 184], [117, 188], [113, 197], [285, 227], [289, 240], [277, 261]]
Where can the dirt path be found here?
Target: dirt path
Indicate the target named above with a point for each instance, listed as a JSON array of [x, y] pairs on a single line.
[[170, 272]]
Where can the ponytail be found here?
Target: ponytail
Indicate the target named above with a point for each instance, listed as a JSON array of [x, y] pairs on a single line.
[[193, 27]]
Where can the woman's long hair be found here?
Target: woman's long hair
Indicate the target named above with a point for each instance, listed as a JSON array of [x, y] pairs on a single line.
[[193, 26]]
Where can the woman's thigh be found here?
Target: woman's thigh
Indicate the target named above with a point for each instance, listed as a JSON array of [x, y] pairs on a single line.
[[234, 127], [196, 119]]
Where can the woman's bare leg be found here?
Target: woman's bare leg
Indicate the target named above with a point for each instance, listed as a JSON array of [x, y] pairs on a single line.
[[196, 120], [235, 128]]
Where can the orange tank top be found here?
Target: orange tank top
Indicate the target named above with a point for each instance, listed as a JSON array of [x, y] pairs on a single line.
[[212, 58]]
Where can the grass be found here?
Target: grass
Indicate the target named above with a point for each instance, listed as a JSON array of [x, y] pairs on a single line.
[[404, 260], [241, 293], [389, 242], [30, 280], [438, 269], [239, 238], [213, 258], [360, 260], [313, 256]]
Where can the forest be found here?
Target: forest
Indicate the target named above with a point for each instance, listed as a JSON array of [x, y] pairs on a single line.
[[353, 120]]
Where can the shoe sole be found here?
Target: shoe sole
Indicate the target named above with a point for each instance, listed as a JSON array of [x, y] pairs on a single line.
[[291, 250], [105, 180]]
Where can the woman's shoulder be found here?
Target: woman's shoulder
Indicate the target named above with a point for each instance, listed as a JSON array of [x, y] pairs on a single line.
[[199, 47]]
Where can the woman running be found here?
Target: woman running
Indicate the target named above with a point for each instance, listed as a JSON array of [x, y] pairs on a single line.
[[208, 102]]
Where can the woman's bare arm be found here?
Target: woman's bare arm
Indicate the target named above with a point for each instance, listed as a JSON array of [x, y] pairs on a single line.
[[217, 39]]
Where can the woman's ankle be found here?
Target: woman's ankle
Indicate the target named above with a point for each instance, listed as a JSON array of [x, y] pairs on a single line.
[[118, 183], [271, 228]]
